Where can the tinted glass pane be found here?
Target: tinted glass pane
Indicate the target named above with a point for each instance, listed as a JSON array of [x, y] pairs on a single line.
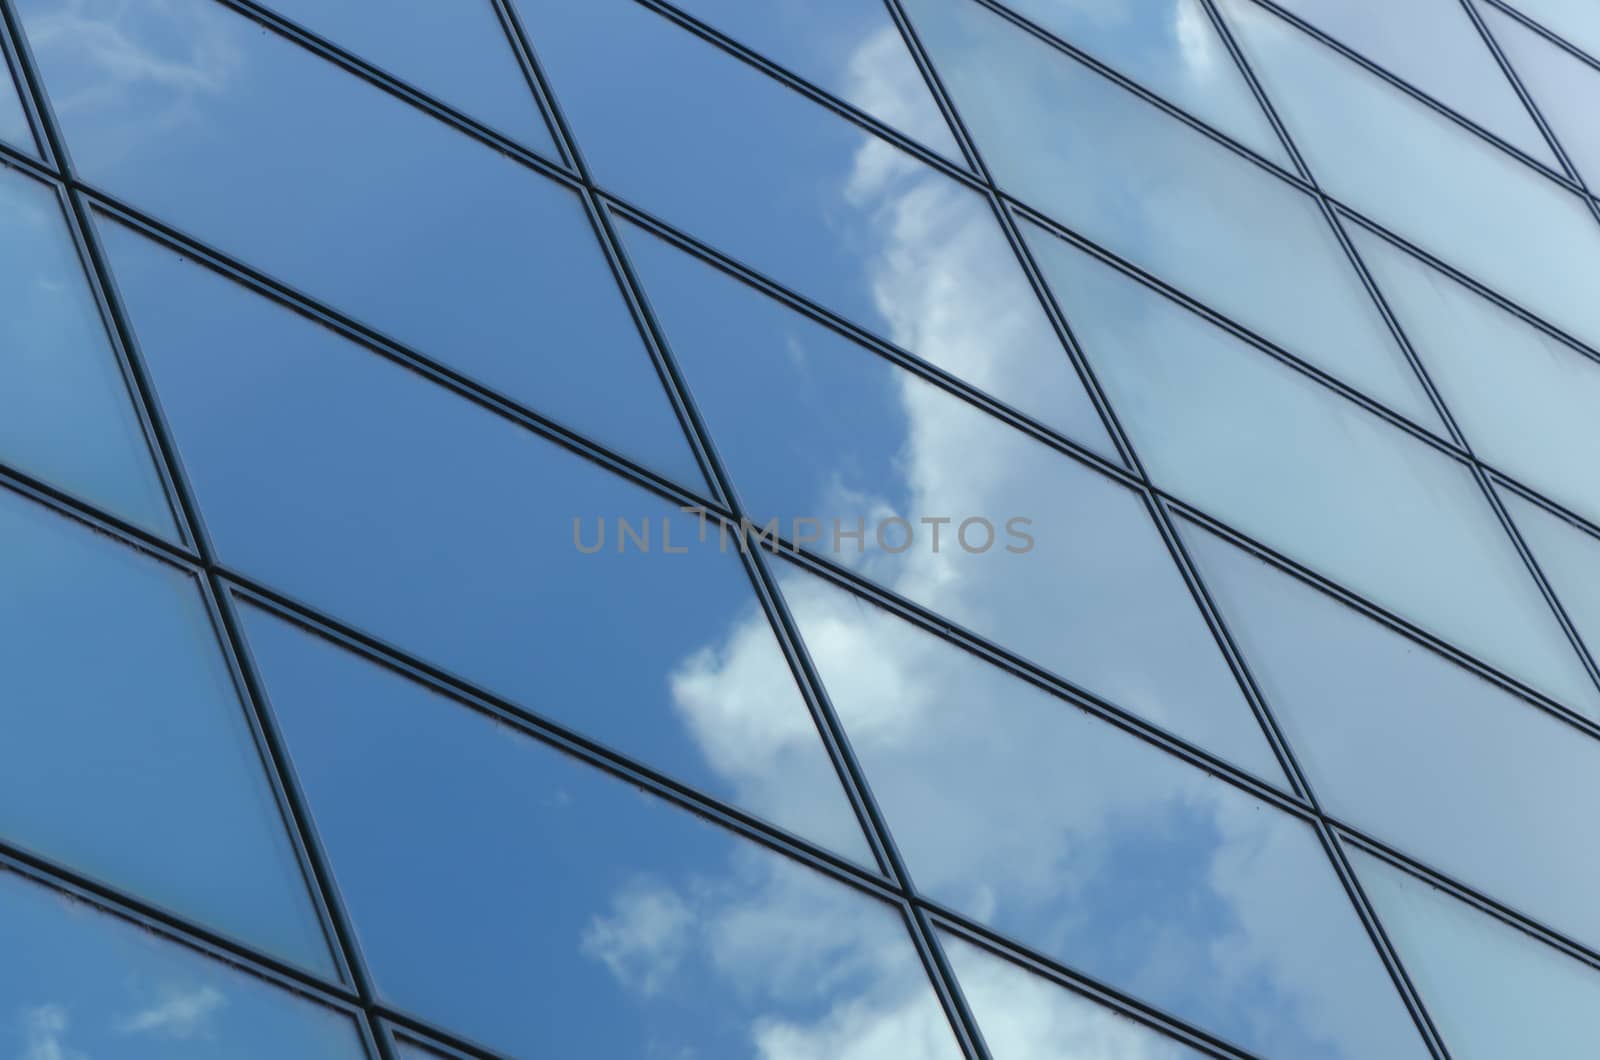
[[857, 445], [1171, 48], [13, 120], [1570, 559], [1455, 66], [127, 754], [1153, 190], [454, 49], [779, 182], [1492, 990], [1425, 177], [260, 147], [851, 49], [65, 411], [1416, 750], [1293, 464], [1524, 401], [78, 983], [1564, 88], [559, 912], [1575, 20], [362, 488], [1024, 1017], [1078, 839]]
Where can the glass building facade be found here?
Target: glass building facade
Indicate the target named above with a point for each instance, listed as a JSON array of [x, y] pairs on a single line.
[[799, 529]]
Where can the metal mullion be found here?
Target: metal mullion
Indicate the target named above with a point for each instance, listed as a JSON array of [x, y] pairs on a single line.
[[85, 512], [11, 66], [1547, 33]]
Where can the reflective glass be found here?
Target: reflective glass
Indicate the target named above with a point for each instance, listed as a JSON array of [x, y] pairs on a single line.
[[1043, 555], [13, 120], [1415, 750], [1564, 88], [408, 1051], [1169, 47], [1024, 1017], [126, 754], [1286, 460], [1570, 559], [358, 486], [1151, 189], [79, 983], [851, 49], [453, 49], [811, 199], [66, 415], [592, 920], [1090, 845], [1492, 990], [1524, 401], [1576, 21], [1423, 176], [1455, 66], [194, 113]]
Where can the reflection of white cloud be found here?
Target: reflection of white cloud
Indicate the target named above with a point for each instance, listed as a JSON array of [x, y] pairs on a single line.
[[43, 1027], [179, 1014], [644, 939], [1197, 41]]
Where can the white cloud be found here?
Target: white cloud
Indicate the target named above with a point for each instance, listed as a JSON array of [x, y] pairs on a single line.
[[179, 1014], [644, 939], [43, 1028]]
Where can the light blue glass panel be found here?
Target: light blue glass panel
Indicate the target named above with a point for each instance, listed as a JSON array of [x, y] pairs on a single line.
[[1094, 847], [510, 893], [78, 983], [1293, 464], [1570, 559], [1576, 21], [66, 415], [855, 442], [453, 49], [1564, 88], [127, 755], [1524, 401], [1492, 990], [1149, 188], [851, 49], [809, 198], [1433, 45], [1420, 174], [1171, 48], [358, 486], [1025, 1017], [256, 145], [14, 127], [1415, 750]]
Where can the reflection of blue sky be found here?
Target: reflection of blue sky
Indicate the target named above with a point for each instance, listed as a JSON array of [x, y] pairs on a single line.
[[80, 984], [13, 121], [1570, 559], [1575, 20], [1564, 88]]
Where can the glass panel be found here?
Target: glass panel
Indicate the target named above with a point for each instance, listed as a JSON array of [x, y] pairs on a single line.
[[454, 49], [1455, 67], [1570, 559], [1070, 570], [1576, 21], [409, 1051], [1414, 749], [1024, 1017], [595, 921], [358, 486], [78, 983], [851, 49], [1525, 402], [1073, 836], [1165, 197], [127, 755], [394, 217], [1423, 176], [14, 127], [1169, 47], [1291, 463], [1492, 990], [1564, 88], [811, 199], [65, 412]]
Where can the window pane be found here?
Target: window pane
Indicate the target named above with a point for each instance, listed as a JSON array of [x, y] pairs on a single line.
[[855, 443], [1574, 20], [1570, 559], [1492, 990], [127, 755], [1024, 1017], [1074, 837], [1564, 88], [258, 146], [65, 412], [1165, 197], [13, 119], [809, 198], [1423, 176], [1291, 463], [1415, 750], [78, 983], [454, 49], [358, 486], [594, 921], [1525, 402]]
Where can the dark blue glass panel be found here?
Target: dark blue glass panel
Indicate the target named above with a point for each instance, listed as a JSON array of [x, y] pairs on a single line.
[[528, 901]]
